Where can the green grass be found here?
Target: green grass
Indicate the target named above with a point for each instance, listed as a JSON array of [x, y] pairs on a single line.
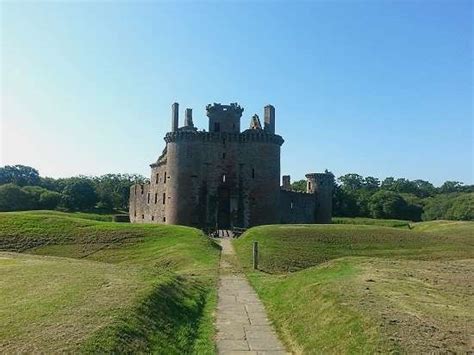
[[286, 248], [365, 289], [372, 221], [82, 285]]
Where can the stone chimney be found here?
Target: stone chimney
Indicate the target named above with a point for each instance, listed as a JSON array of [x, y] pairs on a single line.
[[269, 116], [174, 117], [188, 117], [286, 182]]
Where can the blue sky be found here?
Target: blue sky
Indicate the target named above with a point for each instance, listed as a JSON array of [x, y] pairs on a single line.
[[381, 88]]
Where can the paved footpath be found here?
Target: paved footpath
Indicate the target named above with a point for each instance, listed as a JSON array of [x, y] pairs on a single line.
[[241, 322]]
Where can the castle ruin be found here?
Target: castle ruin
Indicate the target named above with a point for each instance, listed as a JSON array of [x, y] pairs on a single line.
[[224, 178]]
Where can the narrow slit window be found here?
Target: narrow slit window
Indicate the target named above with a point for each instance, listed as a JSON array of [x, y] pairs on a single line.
[[152, 218], [143, 216], [223, 155], [164, 198], [148, 198], [164, 219], [156, 198], [223, 177], [141, 187], [253, 173], [157, 178], [165, 178]]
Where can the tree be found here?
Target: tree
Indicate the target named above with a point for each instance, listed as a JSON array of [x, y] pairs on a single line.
[[351, 182], [371, 183], [299, 185], [451, 186], [20, 175], [79, 194], [13, 198], [387, 204], [49, 200]]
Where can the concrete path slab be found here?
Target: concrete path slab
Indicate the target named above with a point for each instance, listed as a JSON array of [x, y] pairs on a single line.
[[241, 322]]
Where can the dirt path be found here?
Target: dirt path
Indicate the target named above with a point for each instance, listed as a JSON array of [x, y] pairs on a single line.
[[242, 324]]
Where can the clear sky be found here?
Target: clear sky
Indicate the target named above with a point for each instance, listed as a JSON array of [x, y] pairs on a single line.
[[381, 88]]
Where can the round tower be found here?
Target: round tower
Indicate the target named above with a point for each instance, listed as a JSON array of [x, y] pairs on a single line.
[[322, 185]]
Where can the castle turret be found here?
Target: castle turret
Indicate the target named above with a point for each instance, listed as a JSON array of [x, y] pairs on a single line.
[[174, 117], [322, 185], [269, 115], [224, 118]]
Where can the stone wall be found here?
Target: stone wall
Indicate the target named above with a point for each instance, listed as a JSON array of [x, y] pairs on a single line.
[[297, 207]]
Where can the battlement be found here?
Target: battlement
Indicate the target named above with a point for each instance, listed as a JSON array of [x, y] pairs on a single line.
[[246, 136], [223, 111]]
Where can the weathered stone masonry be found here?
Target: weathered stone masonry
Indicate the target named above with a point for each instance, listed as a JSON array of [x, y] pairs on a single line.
[[224, 177]]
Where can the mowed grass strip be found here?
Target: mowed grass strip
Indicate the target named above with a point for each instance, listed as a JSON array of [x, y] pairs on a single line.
[[104, 287], [365, 289], [287, 248]]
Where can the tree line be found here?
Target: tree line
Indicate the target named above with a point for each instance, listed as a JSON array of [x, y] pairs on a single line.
[[415, 200], [22, 188]]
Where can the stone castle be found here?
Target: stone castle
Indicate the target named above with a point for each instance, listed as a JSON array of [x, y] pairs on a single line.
[[224, 178]]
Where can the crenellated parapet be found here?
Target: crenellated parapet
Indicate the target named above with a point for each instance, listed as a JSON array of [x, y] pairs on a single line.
[[246, 136]]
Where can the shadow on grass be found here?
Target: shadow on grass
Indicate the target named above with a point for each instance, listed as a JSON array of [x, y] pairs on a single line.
[[167, 321]]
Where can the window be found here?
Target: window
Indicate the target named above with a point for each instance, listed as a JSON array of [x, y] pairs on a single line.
[[217, 127], [141, 187], [253, 173], [223, 155], [157, 178], [223, 141], [156, 198], [292, 205], [164, 219], [134, 213], [148, 198], [223, 177], [164, 198], [152, 218], [309, 185], [165, 178], [143, 216]]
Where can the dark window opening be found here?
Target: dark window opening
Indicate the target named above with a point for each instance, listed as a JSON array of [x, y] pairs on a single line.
[[156, 198], [164, 219], [217, 127], [157, 178], [134, 213], [141, 187], [164, 198], [253, 173], [135, 189], [309, 185], [223, 155], [223, 141], [165, 178], [143, 216], [152, 218], [148, 198]]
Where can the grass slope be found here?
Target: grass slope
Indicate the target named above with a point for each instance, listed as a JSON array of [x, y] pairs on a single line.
[[365, 289], [97, 286]]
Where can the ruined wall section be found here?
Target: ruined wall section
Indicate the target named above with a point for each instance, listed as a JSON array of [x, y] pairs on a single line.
[[297, 207]]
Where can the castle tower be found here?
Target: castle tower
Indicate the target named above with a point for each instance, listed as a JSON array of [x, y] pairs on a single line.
[[322, 185], [224, 118]]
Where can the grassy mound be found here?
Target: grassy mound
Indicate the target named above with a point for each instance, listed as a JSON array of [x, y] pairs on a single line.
[[286, 248], [365, 289], [84, 285], [372, 222]]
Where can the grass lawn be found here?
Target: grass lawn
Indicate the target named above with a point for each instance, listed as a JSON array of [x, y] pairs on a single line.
[[71, 283], [363, 289]]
